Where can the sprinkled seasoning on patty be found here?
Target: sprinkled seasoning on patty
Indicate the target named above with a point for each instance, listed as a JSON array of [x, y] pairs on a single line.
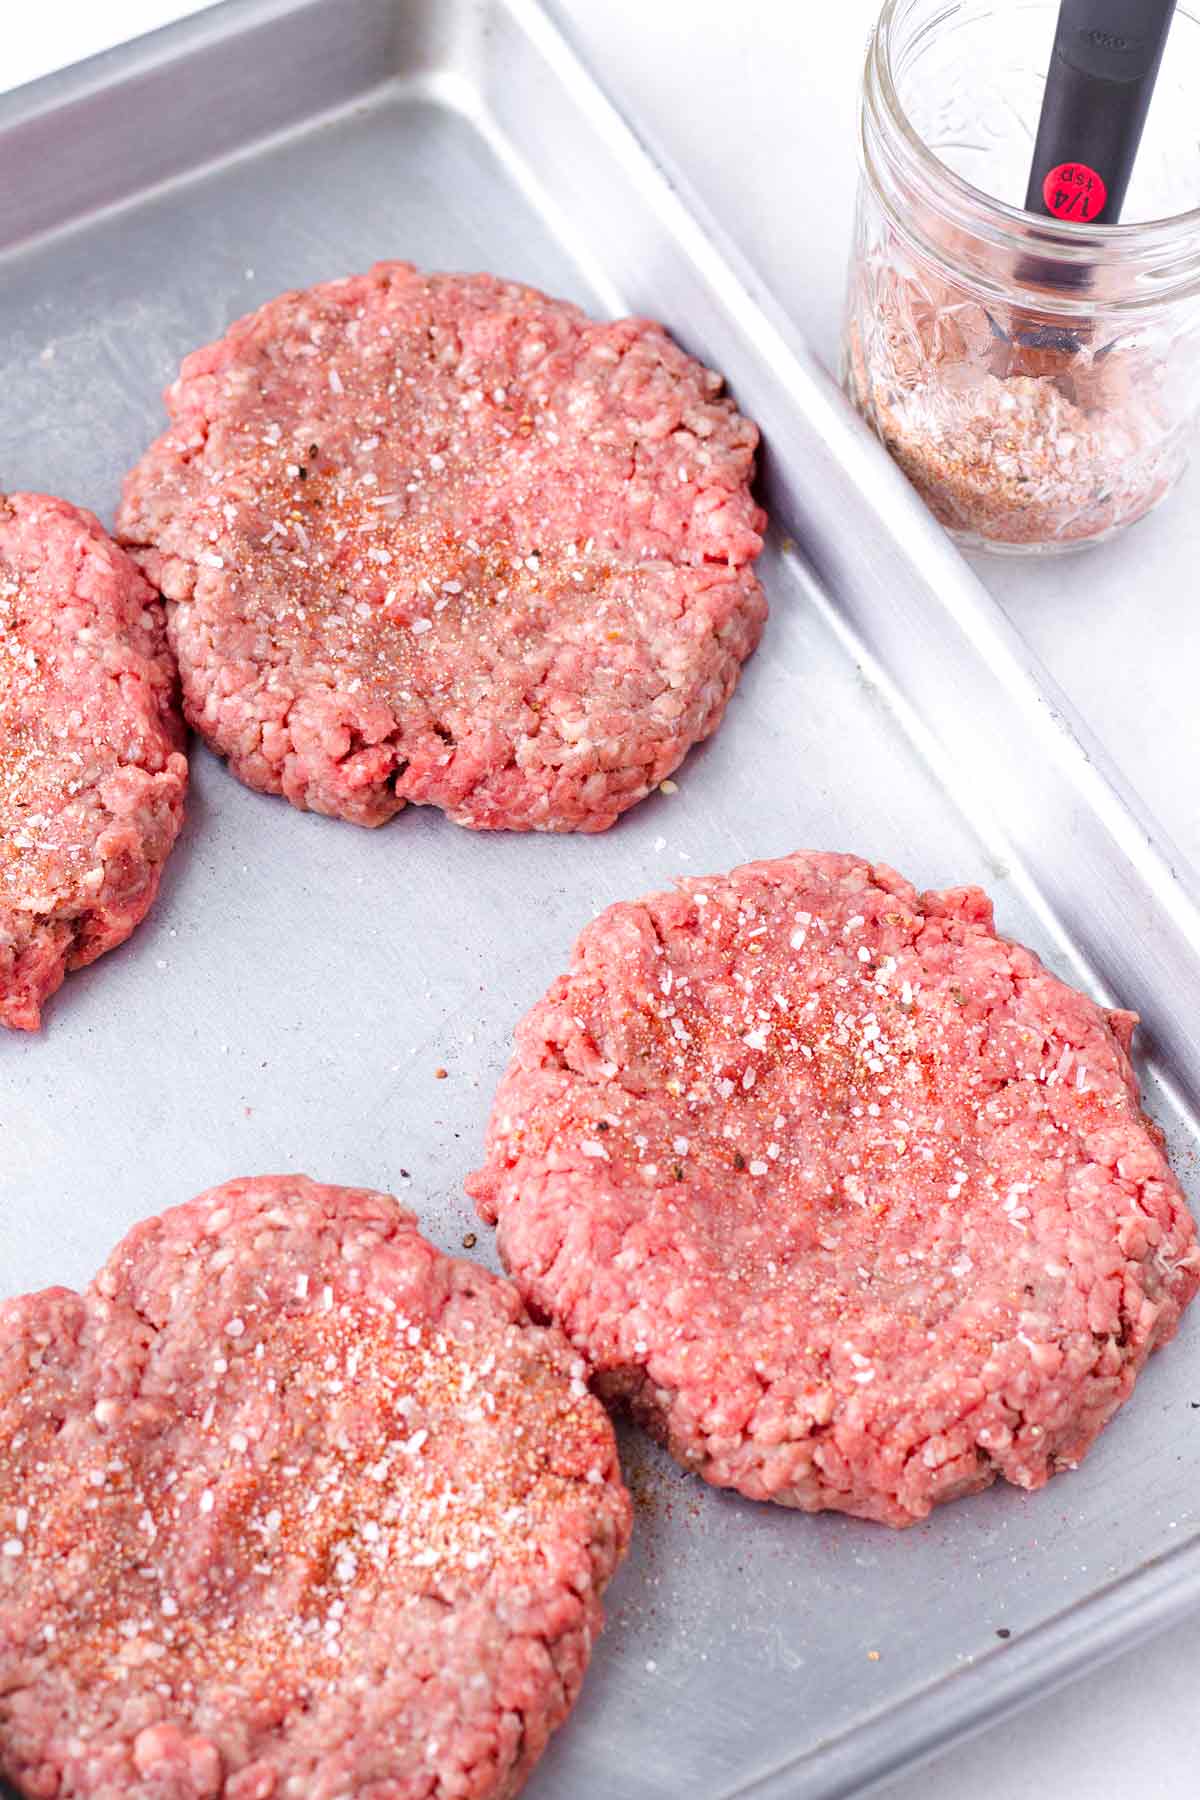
[[292, 1504], [848, 1197], [440, 539], [92, 776]]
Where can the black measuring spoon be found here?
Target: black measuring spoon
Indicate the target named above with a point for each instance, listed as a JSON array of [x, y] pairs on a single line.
[[1103, 68]]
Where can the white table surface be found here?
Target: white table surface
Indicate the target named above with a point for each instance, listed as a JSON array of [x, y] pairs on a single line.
[[756, 103]]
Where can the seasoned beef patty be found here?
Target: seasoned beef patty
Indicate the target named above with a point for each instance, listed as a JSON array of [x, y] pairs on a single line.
[[92, 775], [293, 1505], [849, 1197], [438, 538]]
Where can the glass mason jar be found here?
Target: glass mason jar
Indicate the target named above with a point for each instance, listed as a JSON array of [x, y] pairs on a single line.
[[1037, 381]]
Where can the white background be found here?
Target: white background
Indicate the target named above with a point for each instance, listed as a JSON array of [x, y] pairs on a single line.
[[756, 103]]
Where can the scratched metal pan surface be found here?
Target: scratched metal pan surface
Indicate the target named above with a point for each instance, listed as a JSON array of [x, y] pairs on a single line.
[[286, 1004]]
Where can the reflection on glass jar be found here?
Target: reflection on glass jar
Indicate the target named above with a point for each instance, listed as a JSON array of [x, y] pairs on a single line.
[[1037, 381]]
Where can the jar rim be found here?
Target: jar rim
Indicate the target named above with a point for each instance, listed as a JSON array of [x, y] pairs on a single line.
[[1170, 246]]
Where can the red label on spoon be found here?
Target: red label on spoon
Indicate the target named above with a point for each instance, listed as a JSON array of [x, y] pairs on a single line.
[[1073, 191]]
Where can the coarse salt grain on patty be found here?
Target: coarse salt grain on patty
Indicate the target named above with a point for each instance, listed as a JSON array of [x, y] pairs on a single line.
[[441, 539], [846, 1195], [293, 1505], [92, 775]]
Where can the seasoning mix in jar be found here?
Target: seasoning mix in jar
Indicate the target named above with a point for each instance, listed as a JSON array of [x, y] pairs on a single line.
[[1036, 378]]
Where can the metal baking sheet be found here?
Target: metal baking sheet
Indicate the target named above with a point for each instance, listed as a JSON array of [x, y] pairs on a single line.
[[287, 1002]]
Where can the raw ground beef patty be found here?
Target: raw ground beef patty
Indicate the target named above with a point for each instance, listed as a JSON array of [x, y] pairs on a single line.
[[293, 1507], [92, 776], [438, 538], [850, 1199]]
